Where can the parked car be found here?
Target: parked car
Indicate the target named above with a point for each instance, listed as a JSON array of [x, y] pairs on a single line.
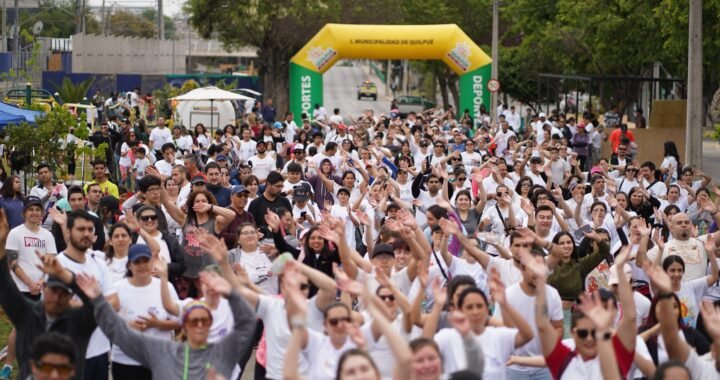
[[406, 104], [367, 89]]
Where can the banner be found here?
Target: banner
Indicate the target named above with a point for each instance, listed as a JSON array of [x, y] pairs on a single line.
[[446, 42]]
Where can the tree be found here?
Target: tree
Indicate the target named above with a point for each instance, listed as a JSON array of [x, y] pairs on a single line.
[[58, 18], [150, 14], [278, 29], [46, 137], [128, 24]]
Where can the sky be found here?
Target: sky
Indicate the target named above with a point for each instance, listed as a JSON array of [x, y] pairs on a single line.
[[171, 7]]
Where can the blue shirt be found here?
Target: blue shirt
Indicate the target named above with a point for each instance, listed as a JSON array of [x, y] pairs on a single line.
[[13, 210]]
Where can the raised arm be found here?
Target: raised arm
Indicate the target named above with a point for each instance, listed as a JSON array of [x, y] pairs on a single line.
[[548, 334], [602, 319], [482, 257], [510, 315], [433, 320], [711, 249], [627, 327], [676, 347]]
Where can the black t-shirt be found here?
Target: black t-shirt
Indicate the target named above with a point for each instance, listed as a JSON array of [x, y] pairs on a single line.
[[259, 206]]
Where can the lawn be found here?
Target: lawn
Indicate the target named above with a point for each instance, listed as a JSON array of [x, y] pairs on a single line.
[[5, 328]]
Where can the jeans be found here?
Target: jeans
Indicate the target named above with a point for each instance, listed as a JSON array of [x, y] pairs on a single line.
[[535, 374]]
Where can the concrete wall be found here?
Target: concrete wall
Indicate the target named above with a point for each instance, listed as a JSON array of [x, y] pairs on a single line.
[[665, 123], [125, 55]]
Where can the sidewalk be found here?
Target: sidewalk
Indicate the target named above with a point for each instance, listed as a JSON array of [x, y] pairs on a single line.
[[711, 158]]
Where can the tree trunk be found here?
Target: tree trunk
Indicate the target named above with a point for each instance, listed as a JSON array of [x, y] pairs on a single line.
[[442, 81], [453, 87], [273, 68]]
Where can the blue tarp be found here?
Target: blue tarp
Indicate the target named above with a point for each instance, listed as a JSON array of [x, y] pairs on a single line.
[[27, 115], [6, 118]]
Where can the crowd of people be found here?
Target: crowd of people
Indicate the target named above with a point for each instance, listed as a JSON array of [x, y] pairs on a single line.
[[419, 246]]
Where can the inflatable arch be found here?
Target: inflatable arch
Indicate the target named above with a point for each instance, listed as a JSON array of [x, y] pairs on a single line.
[[416, 42]]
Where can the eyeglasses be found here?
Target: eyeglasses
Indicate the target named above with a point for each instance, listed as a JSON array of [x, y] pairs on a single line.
[[198, 322], [48, 368], [148, 218], [387, 297], [334, 321], [585, 333]]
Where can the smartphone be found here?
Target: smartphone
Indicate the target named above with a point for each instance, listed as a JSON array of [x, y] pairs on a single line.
[[303, 214], [579, 234]]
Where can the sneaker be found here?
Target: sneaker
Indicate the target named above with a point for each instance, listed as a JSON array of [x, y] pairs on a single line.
[[6, 372]]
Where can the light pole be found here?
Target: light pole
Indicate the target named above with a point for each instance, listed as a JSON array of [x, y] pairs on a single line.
[[695, 117], [494, 67]]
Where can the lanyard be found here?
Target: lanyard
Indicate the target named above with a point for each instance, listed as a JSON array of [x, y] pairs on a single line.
[[186, 366]]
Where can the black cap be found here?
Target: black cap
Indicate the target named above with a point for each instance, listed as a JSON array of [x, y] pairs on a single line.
[[383, 249], [54, 282], [110, 203], [30, 201], [300, 193]]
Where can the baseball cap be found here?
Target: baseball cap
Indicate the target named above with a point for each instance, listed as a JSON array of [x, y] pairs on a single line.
[[541, 114], [536, 160], [456, 130], [199, 178], [239, 189], [110, 203], [31, 201], [383, 249], [54, 282], [300, 193], [137, 251], [343, 189], [613, 276], [221, 157], [595, 169], [278, 125], [341, 126], [299, 147]]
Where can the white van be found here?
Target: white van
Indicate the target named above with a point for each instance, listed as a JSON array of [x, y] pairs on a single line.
[[192, 112]]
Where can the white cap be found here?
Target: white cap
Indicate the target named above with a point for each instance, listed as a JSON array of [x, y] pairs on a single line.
[[541, 114], [299, 147]]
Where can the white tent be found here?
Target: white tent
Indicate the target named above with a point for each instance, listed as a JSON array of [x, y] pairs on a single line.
[[212, 94]]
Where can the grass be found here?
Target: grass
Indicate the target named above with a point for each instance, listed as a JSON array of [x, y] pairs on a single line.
[[5, 328]]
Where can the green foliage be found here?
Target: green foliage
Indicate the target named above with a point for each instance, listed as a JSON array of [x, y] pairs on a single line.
[[58, 17], [128, 24], [150, 14], [73, 93], [43, 142]]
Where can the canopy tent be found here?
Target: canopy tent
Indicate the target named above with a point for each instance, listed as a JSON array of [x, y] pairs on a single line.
[[27, 115], [7, 118], [212, 94]]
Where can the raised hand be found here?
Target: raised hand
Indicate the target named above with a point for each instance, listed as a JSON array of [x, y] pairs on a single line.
[[407, 218], [459, 322], [202, 207], [439, 293], [131, 221], [59, 217], [449, 227], [50, 264], [592, 306], [658, 239], [497, 288], [711, 317], [329, 234], [556, 193], [88, 285], [658, 278], [215, 282], [710, 244], [537, 267], [344, 282], [526, 206], [215, 247], [273, 220]]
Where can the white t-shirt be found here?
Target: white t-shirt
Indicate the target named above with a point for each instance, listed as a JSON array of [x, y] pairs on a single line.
[[497, 344], [525, 306], [164, 250], [509, 274], [164, 167], [159, 137], [261, 167], [380, 350], [701, 368], [691, 294], [257, 265], [693, 253], [323, 356], [471, 161], [125, 160], [271, 309], [341, 212], [94, 266], [26, 242], [117, 269], [247, 149], [141, 301]]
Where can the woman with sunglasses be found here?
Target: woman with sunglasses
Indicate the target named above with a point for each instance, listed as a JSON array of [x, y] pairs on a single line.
[[496, 343], [144, 224], [325, 352], [140, 300], [642, 203], [200, 214], [191, 359]]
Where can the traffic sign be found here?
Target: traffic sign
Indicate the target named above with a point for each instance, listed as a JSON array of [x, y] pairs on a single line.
[[493, 85]]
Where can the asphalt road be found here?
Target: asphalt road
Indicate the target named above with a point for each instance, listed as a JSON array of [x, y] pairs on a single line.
[[340, 90], [711, 158]]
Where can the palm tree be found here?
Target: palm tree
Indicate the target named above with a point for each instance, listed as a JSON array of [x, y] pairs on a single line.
[[73, 93]]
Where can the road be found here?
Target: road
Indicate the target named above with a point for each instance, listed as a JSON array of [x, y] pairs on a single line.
[[340, 90], [711, 158]]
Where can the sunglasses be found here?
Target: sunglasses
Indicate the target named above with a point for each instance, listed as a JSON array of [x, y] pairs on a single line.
[[197, 322], [334, 321], [501, 193], [585, 333], [48, 368], [461, 179], [388, 297], [148, 218]]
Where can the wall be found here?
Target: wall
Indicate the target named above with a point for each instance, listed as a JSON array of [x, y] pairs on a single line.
[[123, 55], [665, 123]]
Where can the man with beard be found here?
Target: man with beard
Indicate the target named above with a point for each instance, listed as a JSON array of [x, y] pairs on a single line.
[[80, 258], [76, 198]]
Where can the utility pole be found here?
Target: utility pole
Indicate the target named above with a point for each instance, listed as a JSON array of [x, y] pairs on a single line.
[[102, 18], [494, 67], [16, 42], [161, 21], [189, 47], [78, 16], [3, 45], [695, 117]]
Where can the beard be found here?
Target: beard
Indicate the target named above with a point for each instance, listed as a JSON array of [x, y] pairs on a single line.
[[81, 244]]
